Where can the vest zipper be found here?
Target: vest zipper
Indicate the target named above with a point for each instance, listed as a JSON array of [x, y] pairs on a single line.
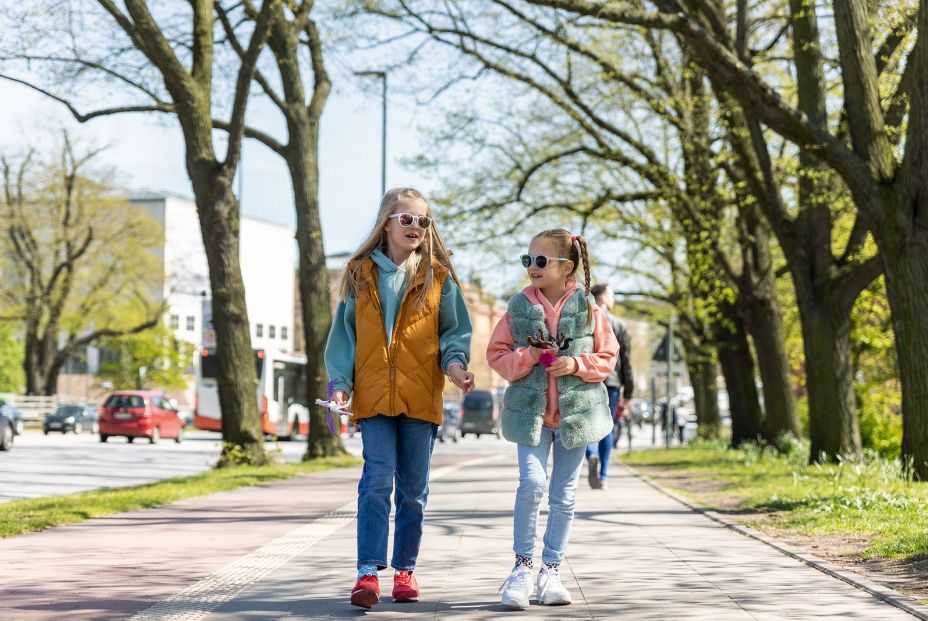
[[376, 295], [391, 351]]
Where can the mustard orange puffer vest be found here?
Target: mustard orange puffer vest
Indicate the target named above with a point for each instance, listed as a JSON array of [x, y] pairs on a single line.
[[405, 378]]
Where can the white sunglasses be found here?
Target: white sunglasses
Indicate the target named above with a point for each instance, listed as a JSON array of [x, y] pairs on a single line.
[[406, 220]]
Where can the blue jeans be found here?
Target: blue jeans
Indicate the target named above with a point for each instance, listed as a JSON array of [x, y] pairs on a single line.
[[604, 446], [562, 492], [395, 448]]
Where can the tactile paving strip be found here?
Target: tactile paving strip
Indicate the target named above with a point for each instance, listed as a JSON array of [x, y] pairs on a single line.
[[198, 600]]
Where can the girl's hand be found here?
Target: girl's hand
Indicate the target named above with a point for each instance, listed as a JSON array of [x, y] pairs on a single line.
[[536, 352], [565, 365], [461, 378], [340, 397]]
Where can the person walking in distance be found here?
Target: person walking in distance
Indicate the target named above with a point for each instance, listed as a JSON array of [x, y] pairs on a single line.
[[555, 347], [400, 326], [680, 416], [620, 385]]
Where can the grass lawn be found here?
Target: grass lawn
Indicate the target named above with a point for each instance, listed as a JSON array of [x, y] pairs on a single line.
[[34, 514], [783, 493]]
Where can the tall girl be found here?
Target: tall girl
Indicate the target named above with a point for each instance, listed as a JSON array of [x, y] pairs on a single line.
[[556, 402], [401, 325]]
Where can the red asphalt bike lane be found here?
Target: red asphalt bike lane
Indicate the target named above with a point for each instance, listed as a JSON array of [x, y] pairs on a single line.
[[112, 567]]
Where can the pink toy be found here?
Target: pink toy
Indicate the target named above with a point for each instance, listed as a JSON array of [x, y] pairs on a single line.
[[547, 359]]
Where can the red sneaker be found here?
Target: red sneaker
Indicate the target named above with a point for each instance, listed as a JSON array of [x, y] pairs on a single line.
[[366, 591], [405, 587]]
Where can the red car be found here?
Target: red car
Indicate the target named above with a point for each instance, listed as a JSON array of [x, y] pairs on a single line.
[[140, 414]]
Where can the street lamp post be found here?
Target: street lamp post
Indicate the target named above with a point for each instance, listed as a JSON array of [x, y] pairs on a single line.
[[382, 75], [669, 422]]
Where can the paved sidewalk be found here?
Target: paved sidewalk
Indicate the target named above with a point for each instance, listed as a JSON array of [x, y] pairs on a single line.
[[634, 554]]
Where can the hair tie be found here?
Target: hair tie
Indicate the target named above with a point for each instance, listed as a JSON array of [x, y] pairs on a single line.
[[574, 238]]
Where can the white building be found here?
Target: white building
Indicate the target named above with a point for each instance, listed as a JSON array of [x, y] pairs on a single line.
[[268, 260], [267, 255]]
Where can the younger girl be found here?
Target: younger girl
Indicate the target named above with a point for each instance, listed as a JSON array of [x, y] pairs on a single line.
[[556, 401], [400, 325]]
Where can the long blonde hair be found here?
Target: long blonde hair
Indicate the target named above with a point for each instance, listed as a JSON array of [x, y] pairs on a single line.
[[431, 248]]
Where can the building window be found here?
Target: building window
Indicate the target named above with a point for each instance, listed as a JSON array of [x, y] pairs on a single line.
[[271, 332], [259, 330], [191, 323], [76, 363], [283, 332], [175, 322]]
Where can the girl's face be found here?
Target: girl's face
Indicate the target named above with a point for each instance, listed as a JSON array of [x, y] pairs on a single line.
[[554, 274], [407, 239]]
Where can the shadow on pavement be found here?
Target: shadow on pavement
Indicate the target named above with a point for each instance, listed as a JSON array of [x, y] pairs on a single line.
[[339, 608]]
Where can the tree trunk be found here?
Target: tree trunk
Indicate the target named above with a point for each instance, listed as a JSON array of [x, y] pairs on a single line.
[[705, 397], [51, 382], [738, 369], [218, 209], [896, 200], [31, 364], [302, 160], [905, 265], [758, 305], [38, 361], [765, 324], [302, 157], [806, 244], [833, 426]]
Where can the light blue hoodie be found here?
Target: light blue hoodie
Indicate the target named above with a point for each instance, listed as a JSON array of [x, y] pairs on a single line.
[[454, 329]]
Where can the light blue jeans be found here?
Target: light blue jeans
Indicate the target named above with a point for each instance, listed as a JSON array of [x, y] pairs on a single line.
[[562, 492]]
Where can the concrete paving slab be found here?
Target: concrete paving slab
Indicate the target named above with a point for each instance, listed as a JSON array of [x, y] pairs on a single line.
[[634, 554]]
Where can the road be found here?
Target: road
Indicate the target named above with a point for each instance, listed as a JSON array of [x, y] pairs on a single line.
[[62, 464]]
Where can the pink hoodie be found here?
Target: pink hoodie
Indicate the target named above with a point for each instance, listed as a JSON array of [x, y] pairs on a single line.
[[515, 364]]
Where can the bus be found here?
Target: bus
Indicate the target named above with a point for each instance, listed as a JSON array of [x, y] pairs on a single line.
[[281, 395]]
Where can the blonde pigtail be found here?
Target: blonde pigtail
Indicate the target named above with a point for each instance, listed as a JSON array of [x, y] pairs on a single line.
[[587, 278]]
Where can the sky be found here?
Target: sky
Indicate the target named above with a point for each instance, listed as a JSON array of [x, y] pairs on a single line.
[[148, 151]]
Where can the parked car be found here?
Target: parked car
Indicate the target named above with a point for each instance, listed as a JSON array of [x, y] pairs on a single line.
[[479, 414], [451, 422], [7, 432], [14, 415], [72, 417], [140, 414]]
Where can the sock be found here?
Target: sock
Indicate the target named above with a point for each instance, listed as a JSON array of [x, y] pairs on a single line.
[[552, 566], [524, 560], [367, 570]]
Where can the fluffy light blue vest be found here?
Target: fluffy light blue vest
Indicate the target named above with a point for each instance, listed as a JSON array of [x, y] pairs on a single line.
[[584, 406]]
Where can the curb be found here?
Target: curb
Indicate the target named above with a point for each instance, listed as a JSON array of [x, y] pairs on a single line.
[[879, 591]]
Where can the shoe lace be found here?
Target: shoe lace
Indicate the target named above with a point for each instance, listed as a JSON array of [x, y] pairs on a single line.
[[517, 578], [403, 577], [367, 581], [547, 578]]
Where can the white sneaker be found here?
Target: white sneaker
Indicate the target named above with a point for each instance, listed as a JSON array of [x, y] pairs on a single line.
[[550, 590], [517, 589]]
